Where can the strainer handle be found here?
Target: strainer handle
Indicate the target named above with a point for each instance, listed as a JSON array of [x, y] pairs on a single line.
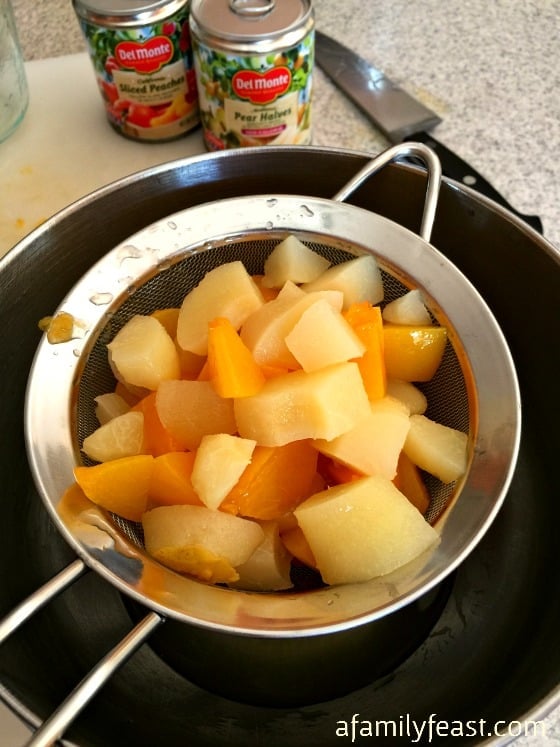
[[55, 726], [40, 598], [403, 150]]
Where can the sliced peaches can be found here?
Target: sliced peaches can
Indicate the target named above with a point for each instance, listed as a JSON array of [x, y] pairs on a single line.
[[142, 60]]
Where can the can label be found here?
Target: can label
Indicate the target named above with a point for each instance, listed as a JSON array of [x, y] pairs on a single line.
[[248, 100], [146, 77]]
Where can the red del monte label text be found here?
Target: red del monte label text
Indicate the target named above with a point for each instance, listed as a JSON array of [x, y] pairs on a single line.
[[261, 88], [145, 57]]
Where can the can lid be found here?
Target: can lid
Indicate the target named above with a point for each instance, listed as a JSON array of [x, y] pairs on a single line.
[[249, 19], [127, 12]]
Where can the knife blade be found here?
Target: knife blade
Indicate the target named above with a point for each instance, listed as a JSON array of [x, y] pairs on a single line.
[[399, 115]]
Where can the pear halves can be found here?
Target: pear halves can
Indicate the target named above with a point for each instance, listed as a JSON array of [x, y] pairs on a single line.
[[254, 63]]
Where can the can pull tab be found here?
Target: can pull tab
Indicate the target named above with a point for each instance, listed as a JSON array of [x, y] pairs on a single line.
[[251, 8]]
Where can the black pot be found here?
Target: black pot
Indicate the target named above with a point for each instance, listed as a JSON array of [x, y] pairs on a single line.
[[491, 653]]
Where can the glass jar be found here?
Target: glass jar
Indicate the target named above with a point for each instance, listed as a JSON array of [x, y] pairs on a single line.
[[14, 93]]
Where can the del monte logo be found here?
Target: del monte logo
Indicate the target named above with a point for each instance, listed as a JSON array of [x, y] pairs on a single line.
[[261, 88], [145, 57]]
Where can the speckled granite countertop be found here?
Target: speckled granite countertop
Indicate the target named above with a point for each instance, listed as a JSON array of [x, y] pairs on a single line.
[[489, 69]]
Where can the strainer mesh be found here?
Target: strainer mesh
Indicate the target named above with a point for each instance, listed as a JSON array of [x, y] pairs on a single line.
[[446, 393]]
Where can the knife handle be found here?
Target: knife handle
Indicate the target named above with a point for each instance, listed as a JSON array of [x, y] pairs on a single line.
[[459, 170]]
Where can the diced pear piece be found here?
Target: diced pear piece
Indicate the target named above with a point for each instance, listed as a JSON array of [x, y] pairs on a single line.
[[168, 317], [268, 568], [268, 294], [296, 544], [436, 448], [219, 462], [363, 529], [359, 279], [142, 353], [289, 290], [373, 446], [292, 260], [130, 393], [191, 364], [201, 542], [408, 309], [322, 337], [122, 436], [108, 406], [190, 410], [264, 332], [413, 353], [227, 290], [298, 405], [408, 394], [410, 482]]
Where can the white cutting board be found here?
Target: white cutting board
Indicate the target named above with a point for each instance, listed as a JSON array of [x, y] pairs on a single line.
[[65, 148]]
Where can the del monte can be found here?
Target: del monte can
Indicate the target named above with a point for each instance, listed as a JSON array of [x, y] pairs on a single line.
[[142, 58], [254, 63]]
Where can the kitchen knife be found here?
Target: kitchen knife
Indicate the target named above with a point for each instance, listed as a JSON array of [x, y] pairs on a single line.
[[398, 115]]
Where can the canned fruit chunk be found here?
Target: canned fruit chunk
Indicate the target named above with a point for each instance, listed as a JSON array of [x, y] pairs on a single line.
[[219, 463], [373, 445], [268, 568], [275, 482], [264, 332], [157, 439], [226, 291], [108, 406], [231, 366], [413, 353], [122, 436], [373, 526], [436, 448], [322, 337], [190, 363], [168, 318], [143, 354], [196, 540], [120, 485], [190, 410], [359, 279], [414, 399], [171, 480], [408, 309], [409, 481], [367, 322], [296, 544], [292, 260], [298, 405]]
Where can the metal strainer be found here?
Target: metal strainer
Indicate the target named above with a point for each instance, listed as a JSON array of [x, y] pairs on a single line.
[[475, 390]]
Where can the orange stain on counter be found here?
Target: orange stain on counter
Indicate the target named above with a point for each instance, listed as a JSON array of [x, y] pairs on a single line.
[[16, 213], [20, 223]]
